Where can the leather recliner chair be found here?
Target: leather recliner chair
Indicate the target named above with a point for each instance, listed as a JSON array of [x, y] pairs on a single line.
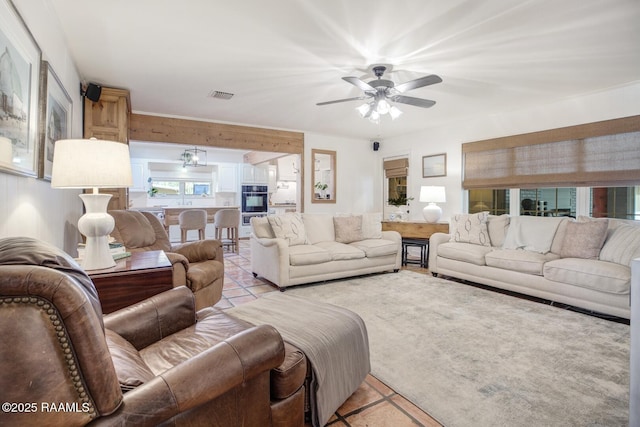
[[158, 362], [197, 265]]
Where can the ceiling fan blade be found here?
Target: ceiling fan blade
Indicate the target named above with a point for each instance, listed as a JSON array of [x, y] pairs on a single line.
[[359, 83], [421, 82], [416, 102], [341, 100]]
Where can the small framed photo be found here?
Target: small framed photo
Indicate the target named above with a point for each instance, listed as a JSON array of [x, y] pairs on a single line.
[[54, 116], [435, 165], [19, 74]]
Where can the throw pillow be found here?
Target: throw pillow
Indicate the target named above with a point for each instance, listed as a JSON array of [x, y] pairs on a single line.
[[289, 227], [372, 226], [348, 228], [623, 245], [584, 239], [470, 228]]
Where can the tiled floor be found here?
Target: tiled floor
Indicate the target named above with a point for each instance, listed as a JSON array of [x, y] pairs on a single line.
[[373, 404]]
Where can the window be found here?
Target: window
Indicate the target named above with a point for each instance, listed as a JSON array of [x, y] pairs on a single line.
[[396, 172], [548, 201], [494, 201], [169, 188], [615, 202]]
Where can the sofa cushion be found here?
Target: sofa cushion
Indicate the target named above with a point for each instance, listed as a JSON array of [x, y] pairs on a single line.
[[622, 245], [131, 370], [348, 228], [591, 274], [584, 239], [519, 260], [376, 247], [308, 255], [341, 251], [470, 228], [261, 227], [372, 225], [319, 227], [474, 254], [497, 226], [289, 227]]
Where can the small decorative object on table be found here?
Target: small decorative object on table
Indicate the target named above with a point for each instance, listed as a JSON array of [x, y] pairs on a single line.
[[398, 202]]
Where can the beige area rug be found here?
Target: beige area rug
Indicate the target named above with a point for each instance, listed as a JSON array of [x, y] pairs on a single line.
[[470, 357]]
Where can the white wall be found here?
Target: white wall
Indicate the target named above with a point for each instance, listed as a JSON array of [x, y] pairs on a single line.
[[359, 187], [605, 105], [30, 207]]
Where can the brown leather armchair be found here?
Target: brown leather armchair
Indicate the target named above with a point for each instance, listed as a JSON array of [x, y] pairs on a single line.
[[197, 265], [158, 362]]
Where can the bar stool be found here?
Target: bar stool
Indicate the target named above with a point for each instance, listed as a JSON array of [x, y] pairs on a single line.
[[192, 219], [229, 220], [419, 243]]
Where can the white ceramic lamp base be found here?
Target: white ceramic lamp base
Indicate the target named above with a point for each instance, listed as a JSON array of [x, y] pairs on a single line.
[[432, 213], [95, 225]]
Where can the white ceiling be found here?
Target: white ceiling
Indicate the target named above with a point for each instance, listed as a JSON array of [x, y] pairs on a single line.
[[281, 57]]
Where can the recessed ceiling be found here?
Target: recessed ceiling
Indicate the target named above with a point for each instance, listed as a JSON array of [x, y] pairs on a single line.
[[279, 58]]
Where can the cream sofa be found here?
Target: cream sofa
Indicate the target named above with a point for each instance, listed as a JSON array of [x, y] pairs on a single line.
[[583, 263], [294, 248]]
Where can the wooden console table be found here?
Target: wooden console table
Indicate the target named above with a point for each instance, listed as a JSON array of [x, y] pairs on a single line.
[[132, 280], [415, 229], [415, 233]]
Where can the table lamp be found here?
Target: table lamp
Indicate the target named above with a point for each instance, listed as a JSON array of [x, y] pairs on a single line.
[[92, 163], [432, 195]]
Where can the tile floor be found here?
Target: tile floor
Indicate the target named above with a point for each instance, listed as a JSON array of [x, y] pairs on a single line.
[[374, 404]]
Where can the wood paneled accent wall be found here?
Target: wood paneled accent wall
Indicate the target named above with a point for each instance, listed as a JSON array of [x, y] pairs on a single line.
[[193, 132]]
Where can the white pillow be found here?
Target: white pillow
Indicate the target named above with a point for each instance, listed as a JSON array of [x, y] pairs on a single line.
[[289, 227], [470, 228], [372, 225]]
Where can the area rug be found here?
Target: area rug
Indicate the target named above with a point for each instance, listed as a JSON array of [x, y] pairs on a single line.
[[472, 357]]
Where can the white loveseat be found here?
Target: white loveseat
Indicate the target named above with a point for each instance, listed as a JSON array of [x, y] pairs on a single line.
[[583, 263], [294, 248]]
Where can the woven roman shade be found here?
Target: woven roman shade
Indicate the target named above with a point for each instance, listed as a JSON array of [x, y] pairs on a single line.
[[396, 168], [603, 154]]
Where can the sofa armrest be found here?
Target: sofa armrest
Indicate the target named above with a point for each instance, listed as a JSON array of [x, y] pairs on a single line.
[[200, 250], [270, 259], [151, 320], [394, 236], [180, 265], [201, 379], [435, 240]]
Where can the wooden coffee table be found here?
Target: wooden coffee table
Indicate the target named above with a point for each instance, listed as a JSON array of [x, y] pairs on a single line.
[[133, 279]]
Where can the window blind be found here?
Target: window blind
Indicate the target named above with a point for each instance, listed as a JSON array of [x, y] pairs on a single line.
[[596, 154], [396, 168]]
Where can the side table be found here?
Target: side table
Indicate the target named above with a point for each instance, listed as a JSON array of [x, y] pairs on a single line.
[[416, 233], [132, 280]]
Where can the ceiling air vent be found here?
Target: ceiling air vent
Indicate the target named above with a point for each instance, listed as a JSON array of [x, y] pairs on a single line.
[[220, 95]]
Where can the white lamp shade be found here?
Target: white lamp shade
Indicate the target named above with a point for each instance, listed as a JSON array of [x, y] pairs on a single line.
[[433, 194], [90, 163]]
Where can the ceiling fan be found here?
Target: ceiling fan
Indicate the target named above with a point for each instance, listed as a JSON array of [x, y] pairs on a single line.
[[381, 91]]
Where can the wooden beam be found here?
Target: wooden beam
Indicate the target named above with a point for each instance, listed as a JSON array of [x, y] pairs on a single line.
[[193, 132]]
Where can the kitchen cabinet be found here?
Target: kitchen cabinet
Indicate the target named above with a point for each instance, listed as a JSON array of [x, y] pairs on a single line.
[[258, 174], [273, 178], [227, 178], [287, 168], [139, 175]]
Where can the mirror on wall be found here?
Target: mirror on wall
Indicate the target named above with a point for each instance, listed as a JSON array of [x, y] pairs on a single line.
[[323, 176]]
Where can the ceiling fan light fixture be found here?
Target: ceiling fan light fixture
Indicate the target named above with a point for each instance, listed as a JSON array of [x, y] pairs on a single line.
[[383, 107], [363, 109], [394, 112]]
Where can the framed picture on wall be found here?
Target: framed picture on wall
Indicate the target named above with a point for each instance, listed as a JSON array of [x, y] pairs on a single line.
[[435, 165], [56, 111], [20, 71]]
